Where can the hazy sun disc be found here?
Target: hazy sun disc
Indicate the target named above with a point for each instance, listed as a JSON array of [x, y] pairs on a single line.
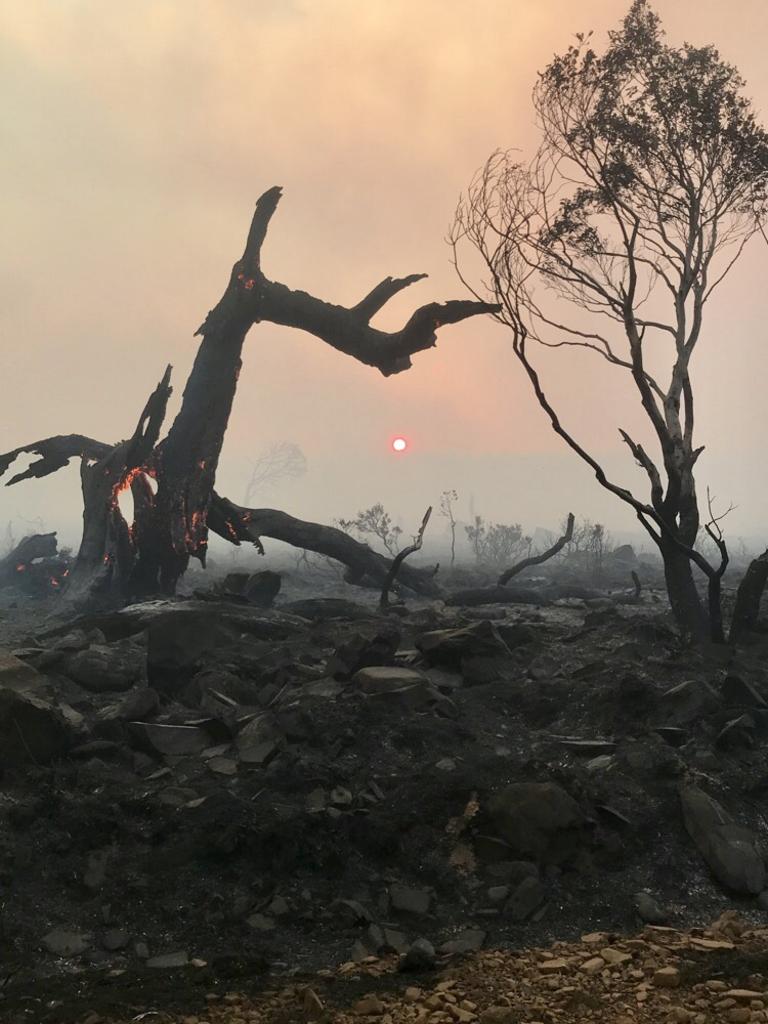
[[399, 444]]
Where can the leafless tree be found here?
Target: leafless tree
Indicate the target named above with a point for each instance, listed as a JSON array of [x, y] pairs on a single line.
[[649, 181], [447, 511], [282, 460], [375, 522]]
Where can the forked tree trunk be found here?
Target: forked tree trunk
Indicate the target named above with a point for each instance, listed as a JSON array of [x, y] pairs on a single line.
[[171, 515]]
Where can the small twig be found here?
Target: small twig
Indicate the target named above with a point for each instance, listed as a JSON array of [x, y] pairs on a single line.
[[400, 558], [17, 727]]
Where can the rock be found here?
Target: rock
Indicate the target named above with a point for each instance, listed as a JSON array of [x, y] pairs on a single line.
[[222, 765], [261, 588], [369, 1006], [362, 651], [66, 944], [594, 965], [351, 912], [137, 706], [739, 692], [649, 910], [32, 731], [538, 820], [170, 740], [323, 608], [451, 647], [260, 922], [16, 674], [312, 1005], [382, 679], [499, 1015], [108, 668], [410, 901], [666, 977], [176, 959], [259, 740], [762, 900], [468, 941], [527, 897], [399, 687], [690, 701], [624, 556], [177, 644], [498, 893], [731, 851], [420, 956], [553, 966], [517, 634], [115, 939]]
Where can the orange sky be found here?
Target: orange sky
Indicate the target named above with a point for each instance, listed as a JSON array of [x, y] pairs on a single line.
[[138, 136]]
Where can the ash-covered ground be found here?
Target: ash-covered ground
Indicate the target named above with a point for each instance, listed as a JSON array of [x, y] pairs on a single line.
[[204, 792]]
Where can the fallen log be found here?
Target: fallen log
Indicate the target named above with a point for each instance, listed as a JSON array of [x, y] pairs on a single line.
[[365, 567], [27, 551]]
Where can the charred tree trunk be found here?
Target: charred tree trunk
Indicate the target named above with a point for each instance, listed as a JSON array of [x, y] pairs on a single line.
[[171, 523], [684, 598]]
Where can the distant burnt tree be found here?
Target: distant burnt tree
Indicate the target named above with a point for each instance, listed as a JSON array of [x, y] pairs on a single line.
[[172, 480], [649, 181]]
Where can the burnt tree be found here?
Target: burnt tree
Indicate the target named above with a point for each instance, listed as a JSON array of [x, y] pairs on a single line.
[[172, 480]]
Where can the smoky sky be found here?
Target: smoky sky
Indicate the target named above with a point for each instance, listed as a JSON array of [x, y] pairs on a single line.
[[137, 138]]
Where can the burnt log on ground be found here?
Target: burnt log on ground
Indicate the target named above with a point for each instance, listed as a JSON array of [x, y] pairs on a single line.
[[364, 567], [172, 481], [24, 554]]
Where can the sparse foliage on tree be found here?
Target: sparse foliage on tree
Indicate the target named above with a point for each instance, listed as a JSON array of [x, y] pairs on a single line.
[[649, 181], [375, 522], [497, 544]]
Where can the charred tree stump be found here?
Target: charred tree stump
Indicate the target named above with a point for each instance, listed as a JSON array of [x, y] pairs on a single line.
[[748, 597]]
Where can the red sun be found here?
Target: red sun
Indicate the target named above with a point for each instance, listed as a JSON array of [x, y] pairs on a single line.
[[399, 444]]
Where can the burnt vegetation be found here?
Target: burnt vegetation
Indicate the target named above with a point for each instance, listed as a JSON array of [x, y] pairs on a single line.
[[412, 737]]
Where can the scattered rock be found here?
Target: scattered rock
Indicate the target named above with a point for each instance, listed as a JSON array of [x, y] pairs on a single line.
[[66, 944], [169, 960], [32, 731], [730, 850], [538, 820], [410, 901], [106, 668], [649, 910]]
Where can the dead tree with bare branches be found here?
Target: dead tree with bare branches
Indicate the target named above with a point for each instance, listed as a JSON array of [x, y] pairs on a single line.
[[172, 479], [649, 182]]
